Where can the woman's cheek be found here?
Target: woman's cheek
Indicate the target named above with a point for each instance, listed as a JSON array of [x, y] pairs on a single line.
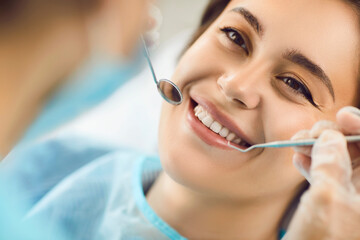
[[202, 60]]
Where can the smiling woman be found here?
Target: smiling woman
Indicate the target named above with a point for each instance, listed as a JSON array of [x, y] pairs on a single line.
[[256, 71], [272, 71]]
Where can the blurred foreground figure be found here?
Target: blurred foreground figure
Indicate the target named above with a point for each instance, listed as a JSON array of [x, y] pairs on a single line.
[[43, 43]]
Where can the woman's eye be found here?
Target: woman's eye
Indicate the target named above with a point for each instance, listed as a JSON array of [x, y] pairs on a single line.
[[236, 38], [298, 88]]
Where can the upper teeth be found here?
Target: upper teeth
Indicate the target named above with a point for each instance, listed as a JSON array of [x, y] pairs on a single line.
[[215, 126]]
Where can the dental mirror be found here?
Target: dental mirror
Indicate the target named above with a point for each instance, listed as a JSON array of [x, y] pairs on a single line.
[[167, 89]]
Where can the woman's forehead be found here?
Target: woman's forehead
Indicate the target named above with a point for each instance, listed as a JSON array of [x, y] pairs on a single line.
[[320, 24]]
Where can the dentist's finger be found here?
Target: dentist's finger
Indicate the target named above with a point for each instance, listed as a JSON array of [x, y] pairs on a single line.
[[331, 164], [315, 132], [301, 158], [348, 119], [302, 164], [303, 134], [321, 126]]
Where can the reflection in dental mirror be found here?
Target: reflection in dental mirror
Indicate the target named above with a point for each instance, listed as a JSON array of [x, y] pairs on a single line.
[[169, 91]]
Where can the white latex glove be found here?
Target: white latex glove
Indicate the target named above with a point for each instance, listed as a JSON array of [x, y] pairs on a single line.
[[330, 209]]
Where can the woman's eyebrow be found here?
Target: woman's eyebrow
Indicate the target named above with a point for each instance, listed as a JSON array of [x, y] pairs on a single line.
[[300, 59], [251, 19]]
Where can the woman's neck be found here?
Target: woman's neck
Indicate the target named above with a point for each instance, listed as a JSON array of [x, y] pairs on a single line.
[[203, 217]]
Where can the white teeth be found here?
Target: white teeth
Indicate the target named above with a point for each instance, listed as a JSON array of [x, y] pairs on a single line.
[[197, 110], [216, 127], [237, 141], [207, 121], [224, 132], [231, 137], [201, 115]]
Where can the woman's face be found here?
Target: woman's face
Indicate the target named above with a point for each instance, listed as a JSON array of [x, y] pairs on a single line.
[[264, 70]]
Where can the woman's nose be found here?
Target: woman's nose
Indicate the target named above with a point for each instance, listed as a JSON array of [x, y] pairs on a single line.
[[241, 88]]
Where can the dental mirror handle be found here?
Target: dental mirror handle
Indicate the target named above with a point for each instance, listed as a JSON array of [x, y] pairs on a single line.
[[147, 56]]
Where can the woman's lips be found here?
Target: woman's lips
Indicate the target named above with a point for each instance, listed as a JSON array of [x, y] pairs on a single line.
[[207, 135]]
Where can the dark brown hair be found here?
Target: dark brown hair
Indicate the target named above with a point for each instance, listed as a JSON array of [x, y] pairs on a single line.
[[355, 4], [212, 11]]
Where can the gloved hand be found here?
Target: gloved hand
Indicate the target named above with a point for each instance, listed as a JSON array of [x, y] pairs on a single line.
[[330, 209]]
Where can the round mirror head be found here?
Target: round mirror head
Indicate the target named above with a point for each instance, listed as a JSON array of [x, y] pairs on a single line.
[[170, 92]]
